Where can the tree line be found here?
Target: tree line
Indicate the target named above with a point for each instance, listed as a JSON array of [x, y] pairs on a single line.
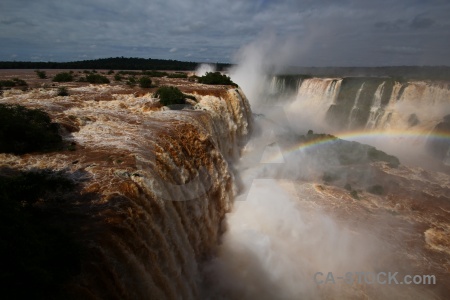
[[116, 63]]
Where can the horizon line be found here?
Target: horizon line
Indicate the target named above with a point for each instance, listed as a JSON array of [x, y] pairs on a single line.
[[225, 63]]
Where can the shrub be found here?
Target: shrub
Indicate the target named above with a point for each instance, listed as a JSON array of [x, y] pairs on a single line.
[[145, 82], [216, 78], [177, 75], [376, 189], [378, 155], [63, 77], [62, 91], [330, 177], [354, 194], [110, 72], [193, 78], [25, 130], [117, 77], [131, 81], [155, 73], [169, 95], [13, 82], [348, 187], [41, 74], [96, 78], [6, 83], [132, 73]]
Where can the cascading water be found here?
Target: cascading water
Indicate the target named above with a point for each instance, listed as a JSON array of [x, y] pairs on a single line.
[[411, 109], [312, 97], [284, 85], [355, 109], [376, 110], [290, 223], [155, 190], [133, 160]]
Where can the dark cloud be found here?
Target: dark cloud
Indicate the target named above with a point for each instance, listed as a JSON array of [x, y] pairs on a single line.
[[421, 22], [391, 25], [325, 32]]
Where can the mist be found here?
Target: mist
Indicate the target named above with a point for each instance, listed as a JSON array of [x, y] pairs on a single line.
[[275, 244], [270, 54], [281, 231], [202, 69]]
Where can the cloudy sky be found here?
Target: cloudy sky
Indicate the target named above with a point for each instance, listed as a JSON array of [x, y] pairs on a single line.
[[303, 32]]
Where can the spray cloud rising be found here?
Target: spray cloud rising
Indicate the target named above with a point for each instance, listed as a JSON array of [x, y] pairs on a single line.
[[280, 233]]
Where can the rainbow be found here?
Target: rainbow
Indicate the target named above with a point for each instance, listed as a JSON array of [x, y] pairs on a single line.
[[396, 135]]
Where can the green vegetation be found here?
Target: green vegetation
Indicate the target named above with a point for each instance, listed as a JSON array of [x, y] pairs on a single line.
[[24, 130], [169, 95], [41, 74], [131, 63], [118, 77], [38, 246], [63, 77], [13, 83], [378, 155], [354, 194], [216, 78], [62, 91], [116, 63], [145, 73], [72, 147], [193, 78], [97, 79], [177, 75], [376, 189], [132, 73], [329, 177], [131, 81], [145, 82], [155, 73], [348, 152], [348, 187], [110, 72]]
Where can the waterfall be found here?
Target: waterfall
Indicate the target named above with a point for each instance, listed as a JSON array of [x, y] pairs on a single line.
[[371, 103], [355, 108], [318, 90], [155, 186], [168, 213], [375, 110], [313, 98], [284, 85], [374, 104]]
